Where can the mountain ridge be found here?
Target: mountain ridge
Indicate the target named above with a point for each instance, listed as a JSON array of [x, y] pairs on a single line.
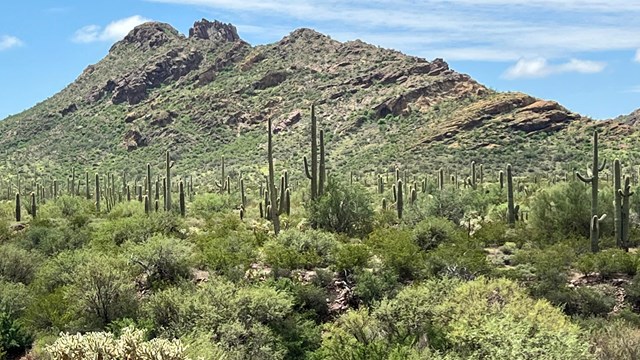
[[210, 93]]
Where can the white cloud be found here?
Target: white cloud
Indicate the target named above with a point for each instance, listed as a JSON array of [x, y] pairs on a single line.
[[491, 30], [7, 42], [637, 58], [114, 31], [540, 67]]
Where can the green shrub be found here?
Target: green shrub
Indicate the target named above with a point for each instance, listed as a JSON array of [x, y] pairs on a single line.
[[373, 286], [162, 260], [615, 340], [228, 250], [565, 210], [431, 232], [398, 252], [206, 205], [18, 265], [464, 258], [343, 208], [350, 257], [479, 319], [295, 249], [608, 262], [14, 338], [241, 319], [101, 291]]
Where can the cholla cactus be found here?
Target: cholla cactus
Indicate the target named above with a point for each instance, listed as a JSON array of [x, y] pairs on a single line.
[[104, 345]]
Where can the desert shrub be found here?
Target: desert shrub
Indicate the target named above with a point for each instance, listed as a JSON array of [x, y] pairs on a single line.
[[587, 301], [343, 209], [431, 232], [496, 233], [101, 291], [550, 266], [137, 229], [448, 203], [608, 263], [398, 252], [15, 298], [373, 286], [77, 210], [464, 258], [126, 209], [162, 260], [632, 291], [18, 265], [14, 338], [565, 210], [454, 319], [351, 256], [615, 340], [226, 247], [53, 239], [241, 319], [100, 345], [294, 249], [206, 205]]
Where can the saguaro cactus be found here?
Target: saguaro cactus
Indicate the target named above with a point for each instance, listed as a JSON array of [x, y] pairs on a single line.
[[592, 178], [399, 199], [33, 205], [511, 209], [273, 212], [167, 194], [317, 174], [97, 193], [617, 202], [183, 207], [18, 208], [625, 193]]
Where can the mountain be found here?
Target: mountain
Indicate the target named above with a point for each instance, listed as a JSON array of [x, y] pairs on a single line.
[[210, 94], [632, 119]]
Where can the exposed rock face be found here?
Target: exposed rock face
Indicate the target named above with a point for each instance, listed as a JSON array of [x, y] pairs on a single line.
[[216, 31], [133, 139], [173, 65], [289, 121], [547, 116], [632, 119], [149, 35], [270, 80]]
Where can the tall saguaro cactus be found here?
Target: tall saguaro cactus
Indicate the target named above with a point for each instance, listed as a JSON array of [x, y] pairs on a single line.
[[511, 209], [592, 178], [625, 193], [18, 208], [317, 173], [167, 193], [617, 202], [97, 193], [272, 210]]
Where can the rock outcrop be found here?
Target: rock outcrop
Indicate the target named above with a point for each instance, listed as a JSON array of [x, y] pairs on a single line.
[[213, 30]]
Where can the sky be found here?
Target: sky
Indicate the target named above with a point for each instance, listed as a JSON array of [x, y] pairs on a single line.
[[585, 54]]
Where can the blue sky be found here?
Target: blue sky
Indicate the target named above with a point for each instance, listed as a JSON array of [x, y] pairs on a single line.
[[584, 54]]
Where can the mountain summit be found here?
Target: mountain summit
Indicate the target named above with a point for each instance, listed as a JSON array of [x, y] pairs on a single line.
[[211, 93]]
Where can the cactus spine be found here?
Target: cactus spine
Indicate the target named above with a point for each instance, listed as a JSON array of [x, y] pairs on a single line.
[[271, 210], [592, 178]]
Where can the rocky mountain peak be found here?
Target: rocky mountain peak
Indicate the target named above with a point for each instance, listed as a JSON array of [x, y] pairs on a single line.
[[213, 30], [149, 35]]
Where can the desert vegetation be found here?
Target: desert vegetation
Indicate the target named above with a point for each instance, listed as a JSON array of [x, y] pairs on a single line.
[[314, 263]]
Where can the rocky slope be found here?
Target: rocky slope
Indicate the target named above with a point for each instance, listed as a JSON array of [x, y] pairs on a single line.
[[210, 93]]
